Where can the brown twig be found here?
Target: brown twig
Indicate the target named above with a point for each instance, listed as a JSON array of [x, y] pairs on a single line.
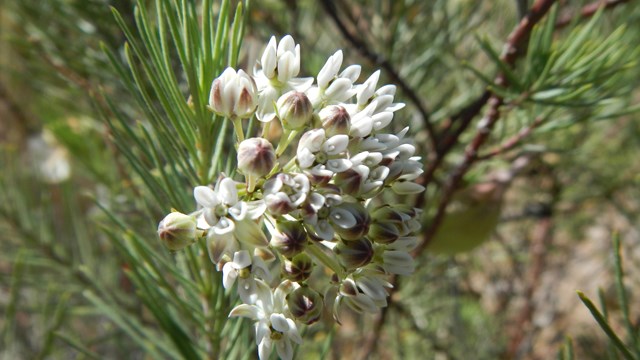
[[513, 141], [588, 11], [330, 9]]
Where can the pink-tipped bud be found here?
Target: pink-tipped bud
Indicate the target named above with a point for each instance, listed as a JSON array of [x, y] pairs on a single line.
[[295, 110], [335, 120], [256, 157], [234, 94]]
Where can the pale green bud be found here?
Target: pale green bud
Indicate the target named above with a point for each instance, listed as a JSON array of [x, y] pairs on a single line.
[[295, 110], [363, 220], [383, 232], [305, 304], [354, 254], [177, 230], [291, 238], [298, 268]]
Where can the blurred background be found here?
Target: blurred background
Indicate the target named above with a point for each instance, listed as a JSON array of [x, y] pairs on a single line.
[[528, 225]]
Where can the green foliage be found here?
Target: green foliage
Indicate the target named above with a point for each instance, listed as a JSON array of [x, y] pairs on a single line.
[[630, 350]]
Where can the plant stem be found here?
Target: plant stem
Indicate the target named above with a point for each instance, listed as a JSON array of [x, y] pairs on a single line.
[[237, 126], [326, 260]]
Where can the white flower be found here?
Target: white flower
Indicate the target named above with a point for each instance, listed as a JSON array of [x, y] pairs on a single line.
[[218, 204], [285, 192], [221, 211], [325, 214], [280, 64], [322, 156], [333, 88], [233, 94], [273, 326], [366, 93], [245, 268]]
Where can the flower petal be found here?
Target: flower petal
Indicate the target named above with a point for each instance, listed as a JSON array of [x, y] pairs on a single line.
[[229, 275], [335, 144], [264, 348], [338, 165], [284, 349], [205, 196], [227, 191], [279, 323], [343, 218], [245, 310]]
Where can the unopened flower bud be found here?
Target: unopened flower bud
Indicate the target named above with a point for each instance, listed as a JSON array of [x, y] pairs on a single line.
[[298, 268], [256, 157], [295, 110], [305, 304], [383, 232], [335, 120], [389, 214], [177, 230], [354, 254], [233, 94], [291, 238], [363, 220], [351, 180]]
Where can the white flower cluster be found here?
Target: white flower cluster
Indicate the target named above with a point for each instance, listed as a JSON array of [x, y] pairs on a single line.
[[320, 198]]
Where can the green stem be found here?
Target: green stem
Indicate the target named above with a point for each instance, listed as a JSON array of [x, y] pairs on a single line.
[[265, 129], [287, 167], [285, 140], [282, 145], [326, 260], [237, 126], [251, 183]]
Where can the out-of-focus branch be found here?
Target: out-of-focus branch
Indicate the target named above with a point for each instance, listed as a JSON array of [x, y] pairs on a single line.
[[459, 122], [588, 11], [516, 45], [330, 9], [513, 141], [541, 239]]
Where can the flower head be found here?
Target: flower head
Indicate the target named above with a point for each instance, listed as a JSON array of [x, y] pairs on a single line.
[[322, 199]]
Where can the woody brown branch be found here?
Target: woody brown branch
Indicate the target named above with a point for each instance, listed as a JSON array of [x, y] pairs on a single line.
[[513, 141], [588, 11]]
